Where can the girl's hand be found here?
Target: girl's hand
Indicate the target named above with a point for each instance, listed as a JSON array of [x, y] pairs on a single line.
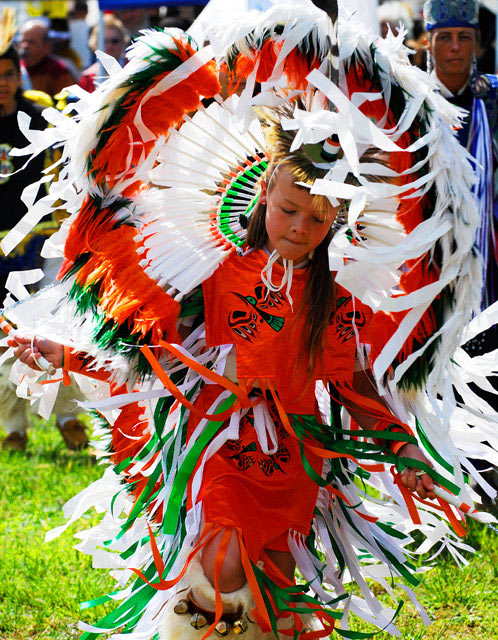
[[27, 350], [416, 481]]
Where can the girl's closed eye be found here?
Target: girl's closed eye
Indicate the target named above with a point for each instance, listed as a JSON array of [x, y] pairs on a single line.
[[288, 211]]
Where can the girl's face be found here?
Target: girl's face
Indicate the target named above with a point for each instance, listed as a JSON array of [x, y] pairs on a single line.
[[294, 223]]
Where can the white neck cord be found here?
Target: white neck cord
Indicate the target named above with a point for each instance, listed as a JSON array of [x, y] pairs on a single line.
[[266, 275]]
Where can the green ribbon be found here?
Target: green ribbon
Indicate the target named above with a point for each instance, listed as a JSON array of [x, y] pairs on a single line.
[[97, 601], [432, 450], [127, 613], [184, 473]]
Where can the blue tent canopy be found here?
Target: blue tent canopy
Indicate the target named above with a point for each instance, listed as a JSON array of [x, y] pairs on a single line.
[[133, 4]]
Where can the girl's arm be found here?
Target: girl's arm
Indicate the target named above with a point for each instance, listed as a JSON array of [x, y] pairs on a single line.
[[422, 484], [28, 350]]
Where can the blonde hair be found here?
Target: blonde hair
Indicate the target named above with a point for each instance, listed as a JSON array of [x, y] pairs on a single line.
[[110, 22]]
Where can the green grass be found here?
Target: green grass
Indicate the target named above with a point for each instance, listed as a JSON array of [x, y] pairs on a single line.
[[463, 603], [41, 585]]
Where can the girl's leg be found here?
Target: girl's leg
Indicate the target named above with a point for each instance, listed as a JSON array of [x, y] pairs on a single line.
[[232, 575], [284, 560]]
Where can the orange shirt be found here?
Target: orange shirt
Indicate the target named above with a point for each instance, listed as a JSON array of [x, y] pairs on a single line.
[[268, 333]]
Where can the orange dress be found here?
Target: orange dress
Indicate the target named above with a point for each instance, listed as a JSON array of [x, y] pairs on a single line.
[[266, 495]]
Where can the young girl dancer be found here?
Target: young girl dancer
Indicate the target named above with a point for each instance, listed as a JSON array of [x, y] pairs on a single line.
[[257, 494], [245, 428]]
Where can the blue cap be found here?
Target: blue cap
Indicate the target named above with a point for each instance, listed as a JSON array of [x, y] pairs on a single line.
[[451, 13]]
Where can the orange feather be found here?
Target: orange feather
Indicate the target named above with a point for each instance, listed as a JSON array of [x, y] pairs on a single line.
[[125, 148], [126, 293]]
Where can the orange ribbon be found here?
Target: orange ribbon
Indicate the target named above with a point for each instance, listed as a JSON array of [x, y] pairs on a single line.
[[242, 401]]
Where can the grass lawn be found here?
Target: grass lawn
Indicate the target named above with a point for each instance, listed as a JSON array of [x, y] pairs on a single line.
[[41, 585]]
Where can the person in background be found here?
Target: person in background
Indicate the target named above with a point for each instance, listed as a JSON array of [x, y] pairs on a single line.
[[453, 39], [13, 410], [134, 20], [180, 17], [116, 39], [46, 72], [79, 30], [452, 42], [12, 101], [418, 43], [60, 41]]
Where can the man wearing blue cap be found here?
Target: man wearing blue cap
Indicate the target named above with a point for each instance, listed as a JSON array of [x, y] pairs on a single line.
[[452, 38]]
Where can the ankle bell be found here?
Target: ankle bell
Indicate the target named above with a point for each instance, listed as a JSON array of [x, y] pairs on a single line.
[[222, 629], [181, 607], [198, 620], [240, 626]]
